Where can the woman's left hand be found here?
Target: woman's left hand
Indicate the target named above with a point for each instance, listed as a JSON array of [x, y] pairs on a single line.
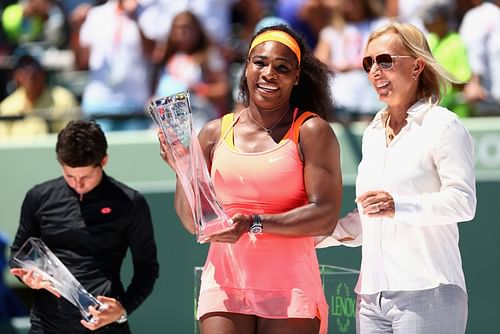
[[103, 316], [377, 203], [241, 224]]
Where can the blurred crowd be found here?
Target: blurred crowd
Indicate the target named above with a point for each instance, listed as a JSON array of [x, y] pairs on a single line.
[[106, 60]]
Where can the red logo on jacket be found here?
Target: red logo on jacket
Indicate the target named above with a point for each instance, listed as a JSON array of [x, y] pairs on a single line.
[[105, 210]]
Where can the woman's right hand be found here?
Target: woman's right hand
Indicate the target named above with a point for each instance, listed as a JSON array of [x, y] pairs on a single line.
[[35, 280], [377, 203], [240, 225], [167, 151]]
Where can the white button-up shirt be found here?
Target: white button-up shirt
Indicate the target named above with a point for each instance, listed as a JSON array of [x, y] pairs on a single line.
[[429, 170]]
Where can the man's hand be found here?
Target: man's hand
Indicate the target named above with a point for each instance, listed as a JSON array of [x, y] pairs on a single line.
[[35, 280], [103, 316]]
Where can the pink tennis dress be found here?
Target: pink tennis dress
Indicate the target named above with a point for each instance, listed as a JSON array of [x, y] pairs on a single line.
[[266, 275]]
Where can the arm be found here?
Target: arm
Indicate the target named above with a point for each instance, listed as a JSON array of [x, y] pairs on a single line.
[[475, 41], [320, 153], [142, 246], [144, 257], [323, 185], [134, 11], [474, 90], [207, 138], [456, 199], [28, 227], [347, 233], [77, 19], [215, 83], [475, 36], [181, 202], [28, 224]]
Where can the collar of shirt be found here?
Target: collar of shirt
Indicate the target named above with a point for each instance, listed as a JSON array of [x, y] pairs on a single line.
[[416, 113]]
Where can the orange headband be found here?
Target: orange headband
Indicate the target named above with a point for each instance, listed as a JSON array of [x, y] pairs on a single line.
[[278, 36]]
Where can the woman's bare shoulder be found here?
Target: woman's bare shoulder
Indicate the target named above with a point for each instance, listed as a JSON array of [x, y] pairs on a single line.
[[314, 125]]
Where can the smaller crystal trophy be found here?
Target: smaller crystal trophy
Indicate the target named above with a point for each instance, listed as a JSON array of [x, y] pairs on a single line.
[[173, 116], [36, 256]]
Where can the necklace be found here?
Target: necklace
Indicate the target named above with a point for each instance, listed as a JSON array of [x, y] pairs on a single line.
[[389, 132], [268, 130]]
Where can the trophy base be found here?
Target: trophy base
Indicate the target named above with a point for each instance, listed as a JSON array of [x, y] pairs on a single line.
[[213, 227]]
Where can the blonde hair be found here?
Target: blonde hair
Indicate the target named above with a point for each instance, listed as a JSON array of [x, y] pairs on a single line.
[[433, 78]]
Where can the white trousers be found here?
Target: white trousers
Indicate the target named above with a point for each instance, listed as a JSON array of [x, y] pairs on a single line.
[[442, 310]]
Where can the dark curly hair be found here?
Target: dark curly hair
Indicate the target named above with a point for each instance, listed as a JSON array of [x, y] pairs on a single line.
[[313, 90], [81, 143]]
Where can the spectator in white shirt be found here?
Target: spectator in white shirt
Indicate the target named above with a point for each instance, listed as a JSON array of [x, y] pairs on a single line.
[[113, 47], [415, 183], [479, 30]]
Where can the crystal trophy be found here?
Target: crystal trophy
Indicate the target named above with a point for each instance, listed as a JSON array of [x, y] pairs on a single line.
[[36, 256], [173, 116]]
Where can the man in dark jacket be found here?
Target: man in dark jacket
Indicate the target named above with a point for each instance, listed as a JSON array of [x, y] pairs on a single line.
[[88, 220]]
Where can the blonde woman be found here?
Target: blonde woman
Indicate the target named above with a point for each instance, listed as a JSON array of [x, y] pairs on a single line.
[[415, 184]]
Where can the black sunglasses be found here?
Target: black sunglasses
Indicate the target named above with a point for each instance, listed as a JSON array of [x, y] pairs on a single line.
[[384, 61]]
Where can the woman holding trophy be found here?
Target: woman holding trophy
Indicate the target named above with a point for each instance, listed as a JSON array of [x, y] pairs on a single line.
[[275, 168]]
